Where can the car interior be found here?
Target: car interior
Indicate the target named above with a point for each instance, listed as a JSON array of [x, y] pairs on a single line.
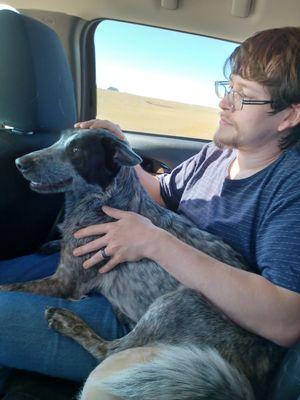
[[50, 78]]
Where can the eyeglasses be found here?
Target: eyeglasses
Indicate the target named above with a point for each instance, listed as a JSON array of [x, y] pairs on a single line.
[[235, 99]]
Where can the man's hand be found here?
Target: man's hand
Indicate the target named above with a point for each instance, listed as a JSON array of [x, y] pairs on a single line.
[[102, 124], [130, 238]]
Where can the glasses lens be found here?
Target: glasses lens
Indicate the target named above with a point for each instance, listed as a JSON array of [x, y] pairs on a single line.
[[220, 90], [234, 98]]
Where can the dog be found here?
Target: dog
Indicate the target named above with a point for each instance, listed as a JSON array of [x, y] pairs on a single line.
[[203, 354]]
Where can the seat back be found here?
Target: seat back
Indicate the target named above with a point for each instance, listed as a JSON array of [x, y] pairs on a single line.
[[37, 100]]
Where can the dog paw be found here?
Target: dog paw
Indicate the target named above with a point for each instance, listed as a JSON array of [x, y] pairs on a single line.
[[60, 319], [64, 321]]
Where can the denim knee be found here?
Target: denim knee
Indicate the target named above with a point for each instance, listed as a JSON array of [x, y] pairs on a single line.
[[26, 342]]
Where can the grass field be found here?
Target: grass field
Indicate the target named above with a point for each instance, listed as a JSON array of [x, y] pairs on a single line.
[[146, 114]]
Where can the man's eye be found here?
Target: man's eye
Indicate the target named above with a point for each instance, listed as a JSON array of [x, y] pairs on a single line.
[[244, 96]]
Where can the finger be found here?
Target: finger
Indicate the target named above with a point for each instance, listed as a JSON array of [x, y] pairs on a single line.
[[115, 212], [97, 257], [84, 124], [98, 229], [91, 246], [112, 263]]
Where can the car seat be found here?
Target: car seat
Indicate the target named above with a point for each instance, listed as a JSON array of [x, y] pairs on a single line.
[[36, 102]]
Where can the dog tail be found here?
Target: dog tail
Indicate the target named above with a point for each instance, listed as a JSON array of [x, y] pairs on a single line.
[[181, 373]]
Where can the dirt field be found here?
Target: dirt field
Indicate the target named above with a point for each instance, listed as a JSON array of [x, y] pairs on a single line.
[[145, 114]]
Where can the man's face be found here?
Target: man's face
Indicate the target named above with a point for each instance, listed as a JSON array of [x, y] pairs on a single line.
[[251, 127]]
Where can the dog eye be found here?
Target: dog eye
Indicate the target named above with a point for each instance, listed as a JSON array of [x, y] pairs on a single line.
[[75, 150]]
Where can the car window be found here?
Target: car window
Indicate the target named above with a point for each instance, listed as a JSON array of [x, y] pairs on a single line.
[[158, 81]]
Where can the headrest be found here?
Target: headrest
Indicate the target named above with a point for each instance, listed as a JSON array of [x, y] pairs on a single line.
[[36, 86]]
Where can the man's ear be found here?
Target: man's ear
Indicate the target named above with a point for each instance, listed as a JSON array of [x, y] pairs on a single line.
[[291, 119]]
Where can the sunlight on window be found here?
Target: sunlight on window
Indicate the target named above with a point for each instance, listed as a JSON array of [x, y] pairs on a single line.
[[7, 7]]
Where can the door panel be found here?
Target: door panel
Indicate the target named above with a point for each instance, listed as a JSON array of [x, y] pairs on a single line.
[[163, 151]]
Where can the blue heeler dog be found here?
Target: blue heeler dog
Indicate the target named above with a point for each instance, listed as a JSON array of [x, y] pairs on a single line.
[[214, 358]]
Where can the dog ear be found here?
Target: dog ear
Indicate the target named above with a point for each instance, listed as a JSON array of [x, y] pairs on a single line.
[[120, 152], [124, 155]]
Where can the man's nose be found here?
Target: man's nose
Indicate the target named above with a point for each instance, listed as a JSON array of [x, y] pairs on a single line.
[[224, 103]]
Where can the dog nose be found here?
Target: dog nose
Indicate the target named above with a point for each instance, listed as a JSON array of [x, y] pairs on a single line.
[[24, 163]]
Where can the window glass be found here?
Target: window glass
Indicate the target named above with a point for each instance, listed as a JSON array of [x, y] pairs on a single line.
[[158, 81]]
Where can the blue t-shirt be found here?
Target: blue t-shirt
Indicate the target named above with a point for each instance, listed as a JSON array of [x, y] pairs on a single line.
[[258, 216]]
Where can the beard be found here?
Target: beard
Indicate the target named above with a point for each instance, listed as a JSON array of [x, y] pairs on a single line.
[[227, 137]]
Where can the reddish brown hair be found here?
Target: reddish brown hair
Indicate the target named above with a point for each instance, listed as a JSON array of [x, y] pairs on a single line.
[[272, 58]]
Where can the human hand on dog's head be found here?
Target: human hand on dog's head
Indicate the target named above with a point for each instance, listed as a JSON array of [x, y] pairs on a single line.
[[130, 238], [102, 124]]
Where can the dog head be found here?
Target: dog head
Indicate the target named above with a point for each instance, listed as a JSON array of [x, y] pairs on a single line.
[[80, 157]]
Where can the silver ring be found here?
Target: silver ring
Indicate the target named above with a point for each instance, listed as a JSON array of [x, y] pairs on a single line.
[[103, 253]]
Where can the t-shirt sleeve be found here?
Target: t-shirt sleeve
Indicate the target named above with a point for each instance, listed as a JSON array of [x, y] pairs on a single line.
[[278, 242], [173, 184]]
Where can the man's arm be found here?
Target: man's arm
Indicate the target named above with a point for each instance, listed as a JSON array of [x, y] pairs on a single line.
[[248, 299], [151, 184]]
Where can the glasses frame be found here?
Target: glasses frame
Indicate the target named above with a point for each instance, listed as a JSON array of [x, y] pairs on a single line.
[[230, 91]]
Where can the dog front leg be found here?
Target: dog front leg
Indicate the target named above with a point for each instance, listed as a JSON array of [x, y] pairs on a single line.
[[50, 286], [68, 324]]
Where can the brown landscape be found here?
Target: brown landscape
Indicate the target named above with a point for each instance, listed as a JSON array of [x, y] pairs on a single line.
[[146, 114]]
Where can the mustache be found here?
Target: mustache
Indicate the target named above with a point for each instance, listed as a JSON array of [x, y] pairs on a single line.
[[228, 120], [225, 118]]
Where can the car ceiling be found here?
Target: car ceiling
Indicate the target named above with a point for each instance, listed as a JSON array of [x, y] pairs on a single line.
[[209, 17]]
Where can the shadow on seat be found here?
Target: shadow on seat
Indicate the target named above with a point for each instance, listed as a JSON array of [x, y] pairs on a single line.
[[286, 385]]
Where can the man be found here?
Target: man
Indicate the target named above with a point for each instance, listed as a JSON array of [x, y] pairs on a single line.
[[247, 193], [245, 189]]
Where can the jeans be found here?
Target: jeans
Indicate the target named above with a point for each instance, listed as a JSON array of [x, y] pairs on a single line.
[[27, 343]]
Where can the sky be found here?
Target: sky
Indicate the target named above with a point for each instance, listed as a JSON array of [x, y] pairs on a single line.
[[159, 63]]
